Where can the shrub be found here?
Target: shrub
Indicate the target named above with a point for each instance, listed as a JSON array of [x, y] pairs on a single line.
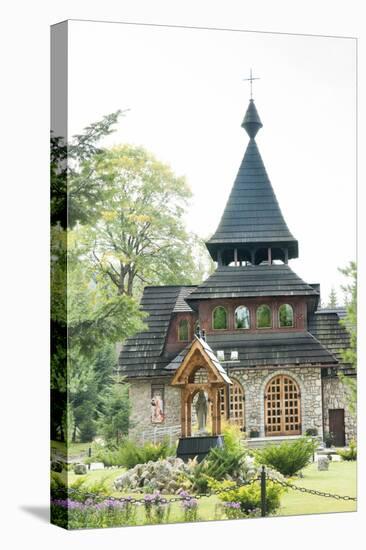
[[328, 439], [311, 432], [288, 458], [349, 454], [128, 454], [248, 497], [221, 462]]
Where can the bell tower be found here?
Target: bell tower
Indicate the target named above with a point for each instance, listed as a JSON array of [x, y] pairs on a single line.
[[252, 229]]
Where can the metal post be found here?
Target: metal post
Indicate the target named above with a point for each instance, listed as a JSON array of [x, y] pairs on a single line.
[[263, 492], [89, 455]]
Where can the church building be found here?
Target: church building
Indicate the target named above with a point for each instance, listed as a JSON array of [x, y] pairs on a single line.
[[277, 353]]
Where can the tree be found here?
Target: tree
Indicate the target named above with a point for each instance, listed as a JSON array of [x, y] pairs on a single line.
[[141, 238], [349, 355], [332, 302], [75, 196], [114, 420]]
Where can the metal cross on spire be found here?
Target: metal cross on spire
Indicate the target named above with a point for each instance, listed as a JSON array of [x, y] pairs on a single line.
[[251, 78]]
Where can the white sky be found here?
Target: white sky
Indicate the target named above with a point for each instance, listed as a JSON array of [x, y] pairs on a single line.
[[187, 100]]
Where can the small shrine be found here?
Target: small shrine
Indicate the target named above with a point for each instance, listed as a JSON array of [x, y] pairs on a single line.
[[200, 373]]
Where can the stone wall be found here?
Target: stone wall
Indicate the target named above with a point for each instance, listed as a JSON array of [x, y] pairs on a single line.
[[335, 397], [254, 382], [140, 398]]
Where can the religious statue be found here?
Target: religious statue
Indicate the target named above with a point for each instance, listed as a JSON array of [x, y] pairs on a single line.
[[201, 412]]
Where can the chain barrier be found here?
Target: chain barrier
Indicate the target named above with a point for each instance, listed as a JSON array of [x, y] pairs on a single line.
[[159, 498], [310, 491]]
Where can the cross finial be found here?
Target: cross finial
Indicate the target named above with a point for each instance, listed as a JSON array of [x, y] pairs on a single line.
[[251, 78]]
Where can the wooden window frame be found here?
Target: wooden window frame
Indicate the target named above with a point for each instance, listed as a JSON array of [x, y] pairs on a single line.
[[293, 316], [188, 330], [250, 319], [256, 317], [213, 320], [224, 404]]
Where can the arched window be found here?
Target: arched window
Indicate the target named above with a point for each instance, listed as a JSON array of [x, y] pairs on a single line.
[[219, 318], [264, 317], [236, 403], [183, 331], [282, 406], [242, 317], [286, 315]]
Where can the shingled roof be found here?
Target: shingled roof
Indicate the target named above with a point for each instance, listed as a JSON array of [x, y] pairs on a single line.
[[325, 326], [142, 354], [252, 213], [251, 280]]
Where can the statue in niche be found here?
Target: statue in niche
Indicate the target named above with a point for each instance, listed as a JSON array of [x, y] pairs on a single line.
[[201, 412]]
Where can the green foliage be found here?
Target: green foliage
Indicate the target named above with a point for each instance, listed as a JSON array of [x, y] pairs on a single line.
[[75, 197], [219, 318], [115, 411], [264, 317], [332, 302], [349, 454], [129, 453], [140, 237], [249, 496], [288, 458], [349, 355], [68, 423], [328, 439], [220, 462]]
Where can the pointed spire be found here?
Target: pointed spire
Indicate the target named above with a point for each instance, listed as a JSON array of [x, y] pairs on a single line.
[[252, 123]]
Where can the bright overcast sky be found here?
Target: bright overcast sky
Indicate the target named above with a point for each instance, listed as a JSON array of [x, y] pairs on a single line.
[[187, 99]]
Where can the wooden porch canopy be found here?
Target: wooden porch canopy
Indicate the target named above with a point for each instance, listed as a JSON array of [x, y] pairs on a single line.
[[200, 371]]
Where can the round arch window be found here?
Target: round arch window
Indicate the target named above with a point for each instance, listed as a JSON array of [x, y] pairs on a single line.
[[219, 318], [264, 317], [286, 316], [242, 317]]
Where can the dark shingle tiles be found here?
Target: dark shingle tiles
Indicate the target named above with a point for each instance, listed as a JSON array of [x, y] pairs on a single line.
[[252, 213], [325, 326], [261, 280], [141, 354]]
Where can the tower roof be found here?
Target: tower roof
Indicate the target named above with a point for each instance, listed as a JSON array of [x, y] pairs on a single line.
[[252, 215]]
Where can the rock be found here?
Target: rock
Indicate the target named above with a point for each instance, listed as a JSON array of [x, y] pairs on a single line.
[[80, 469], [56, 466], [323, 463]]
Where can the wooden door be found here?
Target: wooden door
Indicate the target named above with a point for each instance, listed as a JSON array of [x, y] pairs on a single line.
[[236, 396], [336, 426], [282, 407]]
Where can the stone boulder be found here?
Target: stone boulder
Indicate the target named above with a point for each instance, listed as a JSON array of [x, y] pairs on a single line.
[[165, 475], [80, 469], [323, 463]]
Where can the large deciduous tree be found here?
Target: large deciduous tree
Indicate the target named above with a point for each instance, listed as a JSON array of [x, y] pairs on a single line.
[[141, 237]]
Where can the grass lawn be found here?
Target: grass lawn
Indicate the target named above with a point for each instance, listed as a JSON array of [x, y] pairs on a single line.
[[339, 479], [73, 449]]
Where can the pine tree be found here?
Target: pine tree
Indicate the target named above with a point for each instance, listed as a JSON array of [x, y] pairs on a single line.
[[332, 303]]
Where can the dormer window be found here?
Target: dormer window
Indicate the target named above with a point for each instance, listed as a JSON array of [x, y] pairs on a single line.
[[219, 318], [264, 317], [286, 316], [242, 317], [183, 331]]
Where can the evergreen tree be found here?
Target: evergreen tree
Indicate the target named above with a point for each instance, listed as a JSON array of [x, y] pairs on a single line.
[[332, 302], [349, 355]]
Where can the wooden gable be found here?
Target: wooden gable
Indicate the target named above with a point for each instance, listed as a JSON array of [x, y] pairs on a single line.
[[200, 356]]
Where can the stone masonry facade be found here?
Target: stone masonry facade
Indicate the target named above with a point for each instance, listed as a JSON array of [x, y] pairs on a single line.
[[253, 382], [140, 399], [335, 397]]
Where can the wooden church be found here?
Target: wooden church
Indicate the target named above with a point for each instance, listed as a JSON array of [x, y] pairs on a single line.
[[251, 337]]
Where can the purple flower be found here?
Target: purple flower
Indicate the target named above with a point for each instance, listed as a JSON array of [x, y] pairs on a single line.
[[189, 504], [233, 505]]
